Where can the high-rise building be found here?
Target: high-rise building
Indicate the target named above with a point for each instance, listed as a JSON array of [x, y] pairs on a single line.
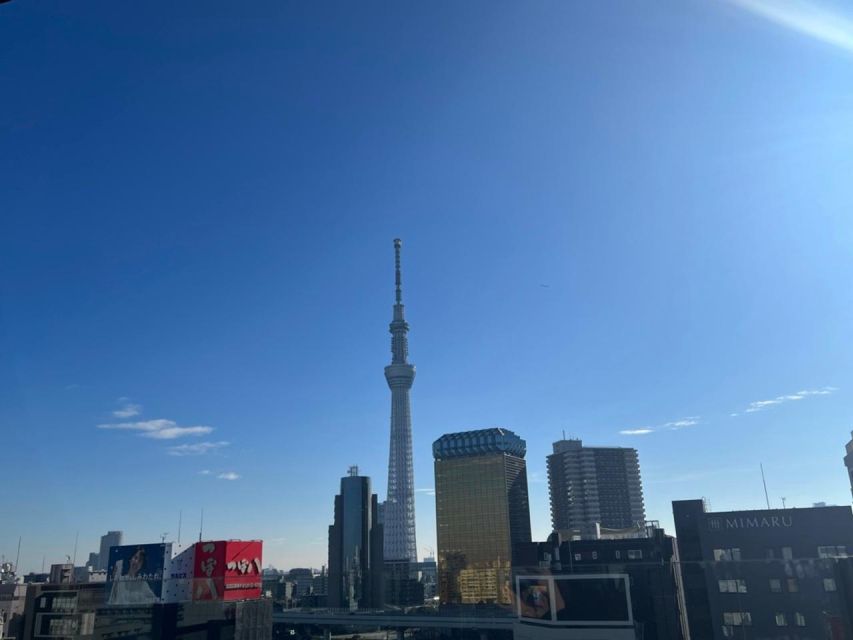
[[482, 510], [111, 539], [355, 547], [399, 510], [848, 461], [592, 486]]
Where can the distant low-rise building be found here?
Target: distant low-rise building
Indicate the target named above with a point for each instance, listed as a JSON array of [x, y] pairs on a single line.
[[12, 604], [61, 573]]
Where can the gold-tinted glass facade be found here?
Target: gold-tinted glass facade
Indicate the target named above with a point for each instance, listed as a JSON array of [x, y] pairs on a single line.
[[481, 509]]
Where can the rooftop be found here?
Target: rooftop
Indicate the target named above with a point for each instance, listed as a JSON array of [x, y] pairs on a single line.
[[477, 443]]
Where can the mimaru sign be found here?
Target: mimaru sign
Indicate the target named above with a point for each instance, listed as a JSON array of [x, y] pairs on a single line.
[[755, 522]]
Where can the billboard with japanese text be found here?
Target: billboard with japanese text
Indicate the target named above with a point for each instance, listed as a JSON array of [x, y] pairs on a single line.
[[227, 570], [135, 573]]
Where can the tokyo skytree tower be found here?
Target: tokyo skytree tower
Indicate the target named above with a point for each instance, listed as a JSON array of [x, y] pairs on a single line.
[[399, 514]]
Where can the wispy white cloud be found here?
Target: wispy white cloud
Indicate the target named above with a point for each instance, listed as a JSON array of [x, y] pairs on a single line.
[[427, 490], [760, 405], [128, 409], [170, 433], [689, 421], [204, 472], [673, 425], [196, 449], [807, 17], [229, 475], [159, 429], [142, 425]]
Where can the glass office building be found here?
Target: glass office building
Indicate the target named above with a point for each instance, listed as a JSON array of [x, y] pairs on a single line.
[[481, 512], [355, 547]]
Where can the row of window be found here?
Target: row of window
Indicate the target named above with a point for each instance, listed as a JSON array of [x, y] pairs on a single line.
[[733, 554], [744, 619], [739, 586], [631, 554]]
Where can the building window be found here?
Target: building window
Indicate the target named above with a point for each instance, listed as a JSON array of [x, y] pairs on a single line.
[[787, 553], [732, 586], [775, 585], [617, 554], [635, 554], [577, 557], [793, 586], [780, 620], [595, 555], [829, 584], [737, 618], [799, 619], [832, 552], [728, 631], [770, 554], [727, 555]]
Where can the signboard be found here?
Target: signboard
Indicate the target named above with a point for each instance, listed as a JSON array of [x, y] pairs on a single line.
[[135, 573], [588, 600], [227, 570]]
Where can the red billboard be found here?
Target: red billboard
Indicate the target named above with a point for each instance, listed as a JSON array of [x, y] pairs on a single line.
[[227, 570]]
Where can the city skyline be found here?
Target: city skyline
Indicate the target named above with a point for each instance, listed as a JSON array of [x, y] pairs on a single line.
[[195, 307]]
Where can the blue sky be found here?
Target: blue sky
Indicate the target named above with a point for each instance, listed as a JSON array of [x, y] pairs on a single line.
[[615, 218]]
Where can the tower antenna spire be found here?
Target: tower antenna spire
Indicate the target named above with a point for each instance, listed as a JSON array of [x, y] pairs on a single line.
[[398, 278]]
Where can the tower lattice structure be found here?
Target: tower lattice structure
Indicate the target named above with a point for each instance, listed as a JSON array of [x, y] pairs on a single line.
[[399, 513]]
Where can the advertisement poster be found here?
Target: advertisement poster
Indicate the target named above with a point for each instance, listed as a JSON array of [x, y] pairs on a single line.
[[534, 599], [228, 570], [135, 573]]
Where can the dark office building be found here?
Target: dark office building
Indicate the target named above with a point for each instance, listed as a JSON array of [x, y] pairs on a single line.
[[61, 610], [402, 585], [209, 620], [482, 510], [650, 560], [355, 547], [771, 574], [590, 485]]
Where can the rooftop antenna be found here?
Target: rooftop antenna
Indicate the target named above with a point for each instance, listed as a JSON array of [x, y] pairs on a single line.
[[201, 525], [353, 471], [76, 538], [783, 502], [180, 517], [163, 536], [564, 434], [18, 557], [764, 482]]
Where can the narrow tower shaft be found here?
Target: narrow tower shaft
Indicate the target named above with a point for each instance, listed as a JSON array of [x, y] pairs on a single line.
[[399, 520]]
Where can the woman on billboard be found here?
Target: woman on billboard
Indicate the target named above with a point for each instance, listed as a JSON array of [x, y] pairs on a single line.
[[132, 586]]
